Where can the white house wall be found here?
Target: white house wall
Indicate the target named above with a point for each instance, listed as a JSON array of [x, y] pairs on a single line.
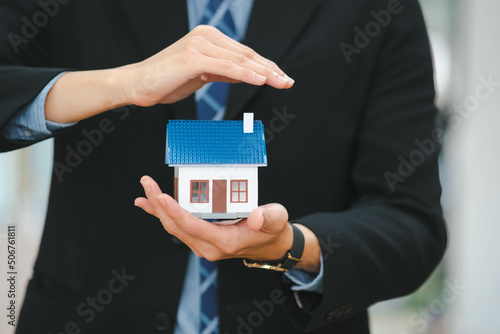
[[186, 174]]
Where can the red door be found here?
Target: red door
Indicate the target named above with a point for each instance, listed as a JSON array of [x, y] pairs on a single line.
[[219, 196]]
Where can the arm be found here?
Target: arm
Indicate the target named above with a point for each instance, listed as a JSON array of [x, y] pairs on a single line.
[[30, 123], [393, 236], [24, 65], [203, 55], [264, 236]]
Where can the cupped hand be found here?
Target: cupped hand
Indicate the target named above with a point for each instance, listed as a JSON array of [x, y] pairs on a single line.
[[264, 236], [205, 54]]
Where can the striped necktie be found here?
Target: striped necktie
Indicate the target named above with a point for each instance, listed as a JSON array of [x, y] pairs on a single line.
[[211, 105], [209, 319], [211, 98]]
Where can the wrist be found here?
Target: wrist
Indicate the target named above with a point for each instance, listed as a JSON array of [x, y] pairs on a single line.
[[311, 259], [138, 84], [122, 82], [292, 257], [284, 243]]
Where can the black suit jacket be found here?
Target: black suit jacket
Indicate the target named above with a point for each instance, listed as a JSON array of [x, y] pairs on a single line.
[[333, 140]]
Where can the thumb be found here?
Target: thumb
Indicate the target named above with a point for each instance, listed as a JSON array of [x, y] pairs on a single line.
[[269, 218]]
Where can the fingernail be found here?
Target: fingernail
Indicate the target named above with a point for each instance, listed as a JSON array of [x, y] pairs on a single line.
[[162, 200], [260, 77], [290, 79], [283, 79]]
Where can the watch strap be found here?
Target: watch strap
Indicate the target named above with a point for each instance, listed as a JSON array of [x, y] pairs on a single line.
[[290, 260], [294, 255]]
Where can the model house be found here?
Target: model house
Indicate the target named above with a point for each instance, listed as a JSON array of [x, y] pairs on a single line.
[[216, 165]]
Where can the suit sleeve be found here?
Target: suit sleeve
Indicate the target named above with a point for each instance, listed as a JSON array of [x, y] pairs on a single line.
[[393, 236], [24, 61]]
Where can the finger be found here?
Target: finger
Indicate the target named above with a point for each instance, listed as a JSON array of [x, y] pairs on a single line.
[[229, 222], [231, 44], [212, 77], [255, 219], [177, 221], [144, 204], [270, 218], [152, 191], [173, 209], [272, 77], [197, 234], [169, 222], [230, 70], [187, 222], [226, 42], [218, 38], [149, 183]]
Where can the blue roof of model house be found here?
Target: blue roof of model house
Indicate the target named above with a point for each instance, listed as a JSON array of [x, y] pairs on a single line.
[[193, 142]]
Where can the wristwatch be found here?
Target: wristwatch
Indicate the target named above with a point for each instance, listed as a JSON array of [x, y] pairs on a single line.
[[290, 260]]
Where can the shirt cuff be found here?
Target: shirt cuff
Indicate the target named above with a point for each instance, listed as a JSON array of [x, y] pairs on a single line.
[[307, 281], [30, 123]]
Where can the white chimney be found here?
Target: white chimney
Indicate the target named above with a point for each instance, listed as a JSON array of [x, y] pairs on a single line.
[[248, 122]]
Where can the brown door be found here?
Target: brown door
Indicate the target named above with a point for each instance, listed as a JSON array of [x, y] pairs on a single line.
[[219, 196]]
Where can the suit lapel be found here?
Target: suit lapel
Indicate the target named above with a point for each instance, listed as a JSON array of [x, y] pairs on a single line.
[[272, 29], [155, 25]]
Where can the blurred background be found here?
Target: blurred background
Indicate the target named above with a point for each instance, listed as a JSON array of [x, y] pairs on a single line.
[[463, 295]]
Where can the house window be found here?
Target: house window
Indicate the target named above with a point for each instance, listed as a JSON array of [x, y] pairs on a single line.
[[199, 191], [239, 191], [176, 189]]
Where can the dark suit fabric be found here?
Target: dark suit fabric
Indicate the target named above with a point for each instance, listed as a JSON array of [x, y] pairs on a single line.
[[330, 140]]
